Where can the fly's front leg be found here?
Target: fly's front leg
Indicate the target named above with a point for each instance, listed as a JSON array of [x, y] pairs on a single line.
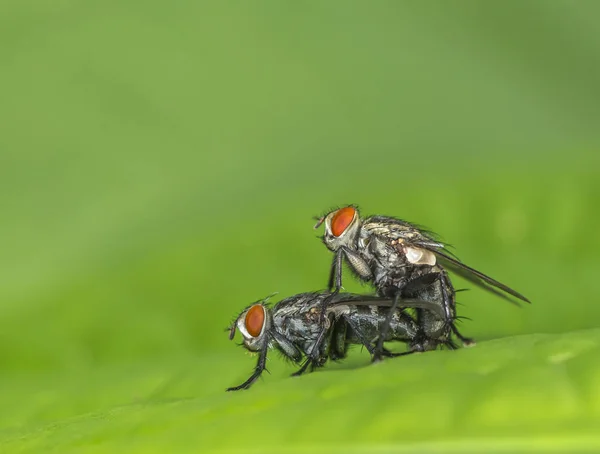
[[258, 370], [354, 260], [358, 264], [335, 273], [287, 347], [335, 285]]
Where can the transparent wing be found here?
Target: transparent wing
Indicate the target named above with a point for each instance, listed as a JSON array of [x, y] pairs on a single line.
[[478, 278]]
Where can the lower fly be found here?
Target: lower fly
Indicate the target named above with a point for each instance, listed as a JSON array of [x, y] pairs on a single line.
[[294, 326]]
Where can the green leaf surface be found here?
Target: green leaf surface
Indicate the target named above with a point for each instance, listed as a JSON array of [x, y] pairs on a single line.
[[530, 393], [160, 164]]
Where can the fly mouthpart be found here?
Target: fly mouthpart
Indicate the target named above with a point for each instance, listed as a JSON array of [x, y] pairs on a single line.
[[231, 331], [319, 222]]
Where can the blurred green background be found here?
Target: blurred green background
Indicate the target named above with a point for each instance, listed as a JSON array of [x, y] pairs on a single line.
[[160, 164]]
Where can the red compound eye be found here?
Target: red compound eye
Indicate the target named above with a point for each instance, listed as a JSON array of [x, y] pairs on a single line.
[[255, 319], [341, 220]]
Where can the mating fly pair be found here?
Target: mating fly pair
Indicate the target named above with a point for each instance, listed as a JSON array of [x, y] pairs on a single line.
[[408, 267]]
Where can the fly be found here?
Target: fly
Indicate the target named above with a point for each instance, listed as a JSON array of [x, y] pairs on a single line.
[[402, 260], [293, 327]]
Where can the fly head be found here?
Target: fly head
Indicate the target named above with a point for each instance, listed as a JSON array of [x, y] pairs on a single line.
[[254, 323], [342, 227]]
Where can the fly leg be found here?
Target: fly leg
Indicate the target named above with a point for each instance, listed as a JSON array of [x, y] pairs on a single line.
[[302, 368], [338, 340], [389, 354], [373, 351], [260, 367], [363, 340], [334, 285], [408, 330], [448, 295], [448, 303], [425, 283], [425, 344], [466, 341], [335, 274], [435, 287], [356, 263], [287, 347], [314, 357], [450, 344], [379, 350]]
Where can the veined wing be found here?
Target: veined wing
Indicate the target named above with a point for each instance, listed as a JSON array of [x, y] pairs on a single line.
[[478, 278]]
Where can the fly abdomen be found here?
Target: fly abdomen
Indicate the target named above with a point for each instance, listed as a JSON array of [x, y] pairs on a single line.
[[366, 323], [403, 328]]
